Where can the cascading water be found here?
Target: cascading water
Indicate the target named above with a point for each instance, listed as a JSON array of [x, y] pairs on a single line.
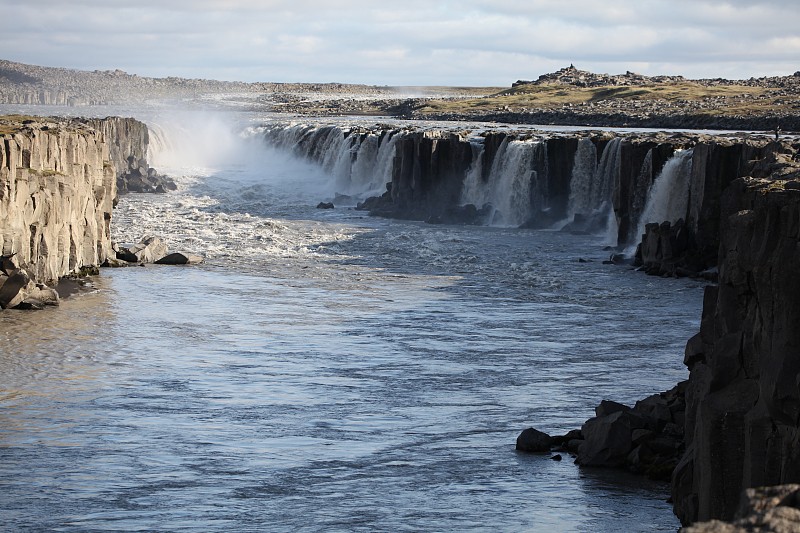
[[509, 190], [581, 199], [668, 199], [592, 186], [475, 190], [608, 175], [360, 164], [373, 165]]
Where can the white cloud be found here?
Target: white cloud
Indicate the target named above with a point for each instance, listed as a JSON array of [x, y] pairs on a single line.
[[476, 42]]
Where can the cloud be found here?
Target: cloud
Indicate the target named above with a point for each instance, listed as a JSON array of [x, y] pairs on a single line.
[[414, 42]]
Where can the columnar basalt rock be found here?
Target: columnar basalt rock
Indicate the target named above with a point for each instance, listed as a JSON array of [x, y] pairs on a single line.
[[743, 401], [57, 187], [127, 140], [57, 190]]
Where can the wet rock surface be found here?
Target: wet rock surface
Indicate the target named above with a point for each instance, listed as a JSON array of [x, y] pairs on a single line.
[[646, 439]]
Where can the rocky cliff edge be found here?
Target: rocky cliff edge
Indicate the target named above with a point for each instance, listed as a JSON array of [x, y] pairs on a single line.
[[743, 395], [57, 190]]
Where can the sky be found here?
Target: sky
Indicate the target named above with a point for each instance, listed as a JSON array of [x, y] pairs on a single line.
[[404, 42]]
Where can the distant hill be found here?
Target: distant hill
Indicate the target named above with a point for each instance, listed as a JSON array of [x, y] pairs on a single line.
[[577, 97], [567, 97], [31, 84]]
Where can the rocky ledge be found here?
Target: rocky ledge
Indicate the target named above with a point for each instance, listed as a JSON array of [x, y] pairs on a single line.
[[58, 185], [645, 439]]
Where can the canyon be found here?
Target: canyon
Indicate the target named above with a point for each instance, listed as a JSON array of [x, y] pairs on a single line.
[[726, 207]]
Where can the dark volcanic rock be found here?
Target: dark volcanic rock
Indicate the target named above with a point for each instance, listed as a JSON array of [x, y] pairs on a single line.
[[534, 441], [14, 289], [646, 439], [743, 401], [180, 258]]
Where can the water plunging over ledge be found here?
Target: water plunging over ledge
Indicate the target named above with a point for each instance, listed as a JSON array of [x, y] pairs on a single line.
[[328, 370]]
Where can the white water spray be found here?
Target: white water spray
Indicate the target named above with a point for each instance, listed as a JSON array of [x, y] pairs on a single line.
[[668, 199], [581, 199]]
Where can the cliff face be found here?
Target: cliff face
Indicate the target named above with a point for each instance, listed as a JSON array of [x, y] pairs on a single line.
[[743, 397], [127, 141], [57, 190]]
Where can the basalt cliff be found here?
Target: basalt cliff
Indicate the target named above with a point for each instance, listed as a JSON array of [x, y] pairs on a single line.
[[58, 185], [743, 398]]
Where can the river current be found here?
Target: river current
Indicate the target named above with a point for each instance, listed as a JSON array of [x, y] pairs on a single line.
[[328, 371]]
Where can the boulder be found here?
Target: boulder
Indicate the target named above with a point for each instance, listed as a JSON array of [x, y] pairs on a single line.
[[608, 407], [180, 258], [325, 205], [15, 289], [44, 294], [113, 262], [149, 250], [30, 304], [608, 439], [534, 441]]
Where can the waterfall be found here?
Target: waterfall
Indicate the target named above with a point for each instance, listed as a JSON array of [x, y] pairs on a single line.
[[591, 189], [475, 191], [512, 178], [608, 170], [584, 170], [360, 164], [668, 199]]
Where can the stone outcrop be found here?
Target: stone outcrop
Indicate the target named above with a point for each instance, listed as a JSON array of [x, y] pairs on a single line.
[[127, 141], [57, 188], [646, 439], [149, 250], [743, 400]]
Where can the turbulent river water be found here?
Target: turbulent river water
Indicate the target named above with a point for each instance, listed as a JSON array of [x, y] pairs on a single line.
[[325, 370]]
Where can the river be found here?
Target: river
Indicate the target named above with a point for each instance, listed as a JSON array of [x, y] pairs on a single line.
[[328, 371]]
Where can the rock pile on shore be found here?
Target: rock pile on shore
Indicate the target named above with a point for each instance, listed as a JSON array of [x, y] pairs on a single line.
[[645, 439]]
